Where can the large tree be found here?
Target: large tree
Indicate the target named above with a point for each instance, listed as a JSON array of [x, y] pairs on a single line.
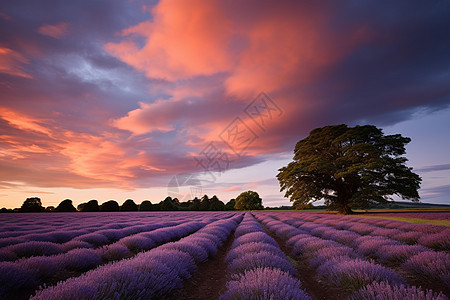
[[248, 200], [349, 167]]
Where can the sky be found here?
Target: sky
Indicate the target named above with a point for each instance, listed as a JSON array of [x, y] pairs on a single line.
[[144, 99]]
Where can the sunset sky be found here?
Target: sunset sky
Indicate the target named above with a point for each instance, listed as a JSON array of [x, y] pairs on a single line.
[[141, 99]]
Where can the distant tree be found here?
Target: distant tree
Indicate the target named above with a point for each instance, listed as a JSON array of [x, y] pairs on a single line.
[[249, 200], [230, 204], [4, 210], [184, 205], [146, 205], [216, 204], [32, 204], [81, 206], [205, 203], [50, 208], [349, 167], [129, 205], [194, 204], [169, 204], [65, 206], [90, 206], [110, 205]]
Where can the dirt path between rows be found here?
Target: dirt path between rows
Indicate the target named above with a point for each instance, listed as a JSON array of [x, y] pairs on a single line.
[[209, 282], [308, 276]]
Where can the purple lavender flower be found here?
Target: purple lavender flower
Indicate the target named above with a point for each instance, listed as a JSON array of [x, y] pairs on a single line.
[[79, 259], [344, 236], [138, 242], [115, 251], [14, 278], [43, 266], [35, 248], [331, 253], [436, 241], [247, 228], [362, 228], [93, 238], [253, 247], [255, 237], [182, 261], [396, 254], [383, 290], [198, 253], [260, 259], [355, 273], [430, 267], [264, 284], [410, 237], [369, 245]]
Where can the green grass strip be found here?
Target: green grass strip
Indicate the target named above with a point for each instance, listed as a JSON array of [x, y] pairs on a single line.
[[409, 220]]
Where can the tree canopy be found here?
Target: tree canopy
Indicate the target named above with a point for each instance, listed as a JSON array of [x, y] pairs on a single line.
[[109, 206], [91, 206], [248, 200], [32, 204], [129, 205], [349, 167], [230, 204], [146, 205], [65, 206]]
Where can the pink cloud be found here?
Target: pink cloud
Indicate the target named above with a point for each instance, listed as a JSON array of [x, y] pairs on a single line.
[[22, 121], [147, 118], [233, 188], [184, 39], [271, 47], [11, 63], [56, 31], [89, 158]]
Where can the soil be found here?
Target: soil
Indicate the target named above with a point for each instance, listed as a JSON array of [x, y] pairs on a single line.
[[209, 282], [316, 289]]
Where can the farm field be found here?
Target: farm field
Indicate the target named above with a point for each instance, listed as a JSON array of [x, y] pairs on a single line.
[[222, 255]]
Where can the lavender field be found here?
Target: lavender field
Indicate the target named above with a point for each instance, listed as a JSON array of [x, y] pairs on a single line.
[[221, 255]]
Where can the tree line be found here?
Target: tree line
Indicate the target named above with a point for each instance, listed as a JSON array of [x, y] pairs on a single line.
[[346, 167], [249, 200]]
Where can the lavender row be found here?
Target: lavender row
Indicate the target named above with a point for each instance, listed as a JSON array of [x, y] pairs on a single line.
[[14, 225], [40, 227], [31, 272], [258, 267], [420, 263], [340, 266], [431, 236], [27, 246], [89, 240], [74, 226], [153, 274]]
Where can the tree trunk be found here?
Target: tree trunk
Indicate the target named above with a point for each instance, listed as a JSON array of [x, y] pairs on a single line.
[[343, 199], [346, 210]]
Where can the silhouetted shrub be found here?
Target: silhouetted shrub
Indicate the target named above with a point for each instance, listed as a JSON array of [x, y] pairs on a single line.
[[110, 205], [65, 206]]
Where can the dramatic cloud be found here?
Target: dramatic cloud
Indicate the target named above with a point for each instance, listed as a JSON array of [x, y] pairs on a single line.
[[320, 63]]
